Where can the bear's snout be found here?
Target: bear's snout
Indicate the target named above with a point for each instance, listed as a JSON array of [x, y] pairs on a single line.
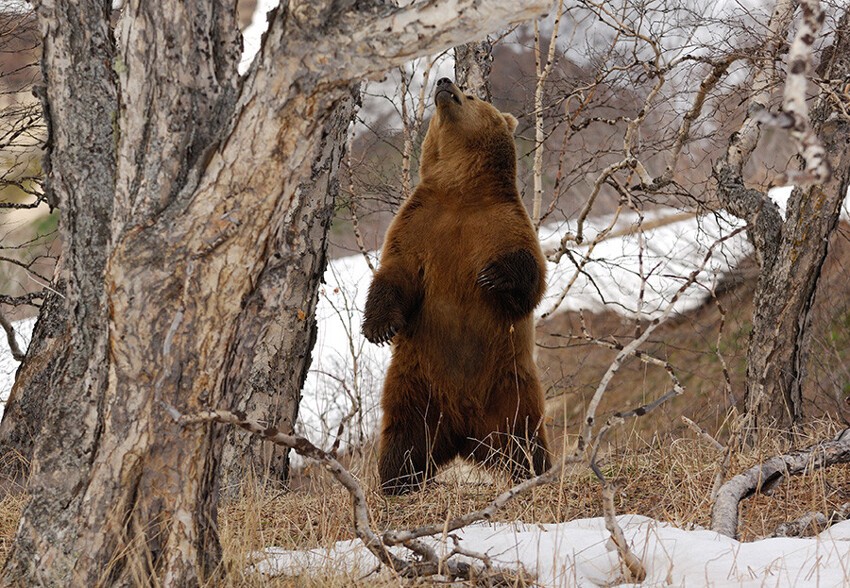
[[446, 92]]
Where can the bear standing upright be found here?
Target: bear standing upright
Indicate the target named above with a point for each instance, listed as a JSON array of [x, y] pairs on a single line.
[[461, 272]]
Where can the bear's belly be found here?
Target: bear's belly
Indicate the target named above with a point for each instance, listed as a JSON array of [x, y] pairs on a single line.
[[460, 347]]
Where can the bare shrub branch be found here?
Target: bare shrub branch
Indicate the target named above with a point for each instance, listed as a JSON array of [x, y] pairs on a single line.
[[763, 477], [11, 338]]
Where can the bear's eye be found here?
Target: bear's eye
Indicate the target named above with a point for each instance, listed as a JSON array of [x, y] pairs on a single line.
[[470, 98]]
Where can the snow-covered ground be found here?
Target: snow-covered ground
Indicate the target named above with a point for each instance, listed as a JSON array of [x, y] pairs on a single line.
[[578, 554]]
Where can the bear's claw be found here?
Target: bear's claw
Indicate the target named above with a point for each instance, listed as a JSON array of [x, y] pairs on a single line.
[[489, 278], [379, 334]]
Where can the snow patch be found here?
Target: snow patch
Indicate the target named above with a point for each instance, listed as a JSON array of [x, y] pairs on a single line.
[[578, 553]]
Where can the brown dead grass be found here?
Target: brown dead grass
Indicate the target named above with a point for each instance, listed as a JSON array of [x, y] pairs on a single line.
[[665, 477]]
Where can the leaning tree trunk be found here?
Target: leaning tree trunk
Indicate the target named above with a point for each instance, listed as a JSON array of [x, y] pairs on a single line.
[[790, 252], [178, 183], [277, 326], [778, 352]]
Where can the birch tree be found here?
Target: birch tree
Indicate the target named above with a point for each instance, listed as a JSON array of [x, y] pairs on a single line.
[[689, 95], [791, 251], [185, 206]]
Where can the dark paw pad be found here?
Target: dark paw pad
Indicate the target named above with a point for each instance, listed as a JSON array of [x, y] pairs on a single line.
[[492, 278]]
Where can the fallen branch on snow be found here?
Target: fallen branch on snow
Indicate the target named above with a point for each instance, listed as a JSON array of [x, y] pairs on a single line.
[[429, 562], [814, 522]]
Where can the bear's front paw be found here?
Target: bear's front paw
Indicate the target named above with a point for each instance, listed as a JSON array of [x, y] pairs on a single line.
[[381, 328], [493, 278]]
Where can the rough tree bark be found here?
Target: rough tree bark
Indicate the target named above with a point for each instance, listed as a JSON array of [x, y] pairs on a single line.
[[277, 326], [791, 251], [473, 62], [27, 406], [178, 181]]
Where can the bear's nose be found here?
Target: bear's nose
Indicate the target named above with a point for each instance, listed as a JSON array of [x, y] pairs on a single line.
[[443, 82]]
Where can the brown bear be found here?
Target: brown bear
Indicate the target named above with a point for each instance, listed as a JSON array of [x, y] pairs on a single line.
[[461, 271]]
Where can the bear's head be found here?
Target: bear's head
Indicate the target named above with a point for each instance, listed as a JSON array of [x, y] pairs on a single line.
[[467, 140]]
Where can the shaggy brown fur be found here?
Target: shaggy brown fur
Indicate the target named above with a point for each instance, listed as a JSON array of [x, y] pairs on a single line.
[[461, 271]]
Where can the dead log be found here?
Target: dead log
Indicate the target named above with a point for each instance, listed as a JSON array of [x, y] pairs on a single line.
[[763, 477]]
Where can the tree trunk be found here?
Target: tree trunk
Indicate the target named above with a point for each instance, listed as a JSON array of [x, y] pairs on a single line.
[[27, 406], [277, 326], [178, 183], [473, 62], [778, 352]]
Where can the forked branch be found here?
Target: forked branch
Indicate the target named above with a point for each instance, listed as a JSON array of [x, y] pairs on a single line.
[[763, 477]]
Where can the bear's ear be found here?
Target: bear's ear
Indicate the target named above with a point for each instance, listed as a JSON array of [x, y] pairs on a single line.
[[511, 120]]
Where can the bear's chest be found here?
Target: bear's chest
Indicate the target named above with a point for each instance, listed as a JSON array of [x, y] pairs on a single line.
[[457, 242]]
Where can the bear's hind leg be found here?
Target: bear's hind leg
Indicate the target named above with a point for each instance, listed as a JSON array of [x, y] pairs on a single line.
[[414, 442], [513, 436]]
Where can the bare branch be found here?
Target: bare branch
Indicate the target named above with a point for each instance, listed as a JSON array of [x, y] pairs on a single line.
[[633, 567], [814, 522], [745, 140], [28, 298], [763, 477], [628, 350], [430, 563], [391, 39], [306, 449], [11, 338], [641, 355], [702, 433], [555, 257]]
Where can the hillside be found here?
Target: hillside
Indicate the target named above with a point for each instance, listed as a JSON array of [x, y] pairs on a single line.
[[693, 344]]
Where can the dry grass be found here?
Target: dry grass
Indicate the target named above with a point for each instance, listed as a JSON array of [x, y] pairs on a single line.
[[668, 479], [662, 477]]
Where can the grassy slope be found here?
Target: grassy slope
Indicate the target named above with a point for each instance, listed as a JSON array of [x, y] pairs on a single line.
[[572, 367]]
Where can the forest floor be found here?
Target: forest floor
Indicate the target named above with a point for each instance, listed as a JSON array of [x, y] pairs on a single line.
[[662, 469], [668, 478]]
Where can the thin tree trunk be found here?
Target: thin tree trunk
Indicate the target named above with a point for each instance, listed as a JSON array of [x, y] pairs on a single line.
[[778, 352], [178, 183], [473, 62], [791, 252]]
